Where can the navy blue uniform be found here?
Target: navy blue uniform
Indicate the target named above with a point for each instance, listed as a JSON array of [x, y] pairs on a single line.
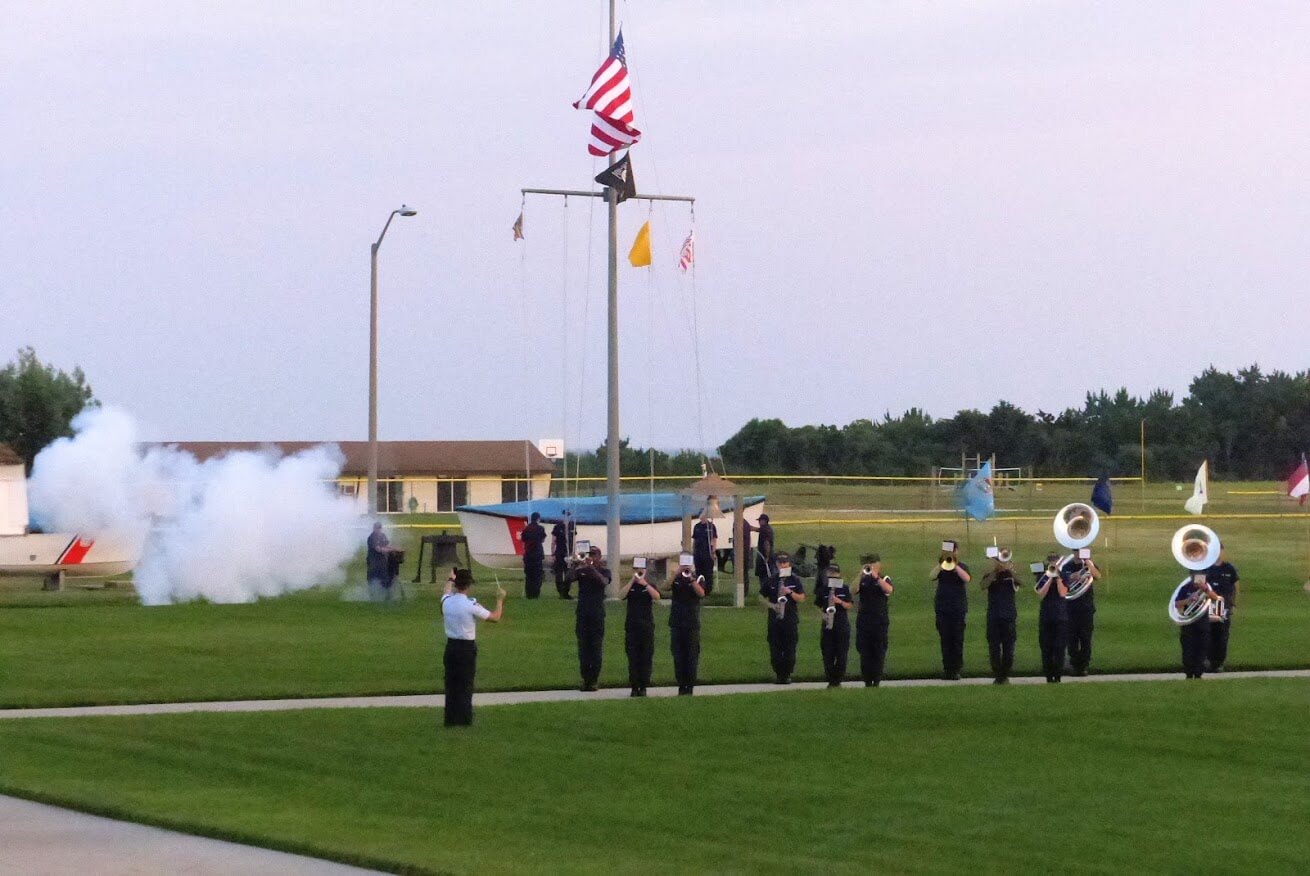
[[702, 534], [1052, 624], [782, 632], [1194, 637], [590, 623], [684, 630], [1222, 578], [639, 635], [764, 552], [1081, 619], [951, 604], [871, 624], [534, 556], [834, 642], [1002, 620], [564, 537]]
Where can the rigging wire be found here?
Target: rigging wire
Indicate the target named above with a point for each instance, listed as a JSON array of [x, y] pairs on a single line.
[[564, 341]]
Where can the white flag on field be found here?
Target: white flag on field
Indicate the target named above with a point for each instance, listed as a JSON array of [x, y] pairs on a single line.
[[1201, 490]]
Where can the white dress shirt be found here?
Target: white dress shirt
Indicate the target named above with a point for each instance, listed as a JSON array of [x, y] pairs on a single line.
[[459, 612]]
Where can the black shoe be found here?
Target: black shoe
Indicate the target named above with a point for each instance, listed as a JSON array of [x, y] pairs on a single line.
[[782, 679], [833, 684], [588, 687], [684, 691], [998, 681], [636, 692], [1219, 668]]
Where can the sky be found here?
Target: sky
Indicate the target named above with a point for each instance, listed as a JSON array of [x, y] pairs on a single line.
[[898, 204]]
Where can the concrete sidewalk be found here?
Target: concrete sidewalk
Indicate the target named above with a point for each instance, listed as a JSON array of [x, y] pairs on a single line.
[[508, 698], [40, 840]]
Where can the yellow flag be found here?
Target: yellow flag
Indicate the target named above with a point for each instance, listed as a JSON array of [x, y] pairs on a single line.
[[639, 256]]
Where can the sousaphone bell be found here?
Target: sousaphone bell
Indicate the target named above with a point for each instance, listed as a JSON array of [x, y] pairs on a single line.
[[1076, 526]]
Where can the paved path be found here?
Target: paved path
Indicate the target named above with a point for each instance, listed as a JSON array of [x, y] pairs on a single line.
[[507, 698], [40, 840]]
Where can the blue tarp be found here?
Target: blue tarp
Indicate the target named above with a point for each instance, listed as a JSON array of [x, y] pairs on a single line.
[[590, 510]]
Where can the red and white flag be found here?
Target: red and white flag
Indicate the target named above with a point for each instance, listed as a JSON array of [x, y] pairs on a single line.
[[688, 254], [610, 96], [1298, 485]]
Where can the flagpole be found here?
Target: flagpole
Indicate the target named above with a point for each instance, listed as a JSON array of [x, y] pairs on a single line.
[[1143, 470]]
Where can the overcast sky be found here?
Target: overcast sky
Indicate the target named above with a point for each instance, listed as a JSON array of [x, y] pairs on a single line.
[[898, 204]]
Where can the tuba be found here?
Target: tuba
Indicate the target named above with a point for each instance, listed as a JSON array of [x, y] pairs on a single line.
[[1076, 526], [1196, 548]]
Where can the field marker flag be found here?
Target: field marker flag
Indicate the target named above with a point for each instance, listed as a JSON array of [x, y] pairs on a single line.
[[518, 227], [976, 497], [639, 255], [1200, 490], [1101, 498], [610, 96], [618, 176], [688, 254], [1298, 485]]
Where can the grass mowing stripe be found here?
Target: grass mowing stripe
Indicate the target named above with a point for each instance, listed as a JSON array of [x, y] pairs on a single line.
[[1090, 778]]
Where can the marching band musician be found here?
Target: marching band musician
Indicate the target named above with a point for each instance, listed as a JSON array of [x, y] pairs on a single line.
[[1081, 613], [1194, 637], [593, 576], [562, 537], [1053, 618], [1222, 576], [705, 544], [687, 590], [781, 594], [951, 604], [871, 619], [1002, 615], [639, 629], [835, 628]]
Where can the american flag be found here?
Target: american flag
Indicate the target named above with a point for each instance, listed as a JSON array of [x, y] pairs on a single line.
[[610, 96], [688, 254]]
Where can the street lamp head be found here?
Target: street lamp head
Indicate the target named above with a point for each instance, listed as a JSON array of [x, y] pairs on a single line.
[[406, 211]]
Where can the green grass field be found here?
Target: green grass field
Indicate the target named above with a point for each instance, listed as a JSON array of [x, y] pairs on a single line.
[[1143, 777]]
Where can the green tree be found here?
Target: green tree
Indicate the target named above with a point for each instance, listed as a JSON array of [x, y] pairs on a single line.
[[38, 402]]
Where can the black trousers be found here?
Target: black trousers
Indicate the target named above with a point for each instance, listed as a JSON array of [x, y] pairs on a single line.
[[559, 567], [950, 628], [639, 641], [1218, 648], [782, 636], [704, 565], [871, 642], [835, 645], [590, 629], [685, 644], [533, 571], [461, 662], [1195, 639], [1001, 636], [1081, 623], [1051, 634]]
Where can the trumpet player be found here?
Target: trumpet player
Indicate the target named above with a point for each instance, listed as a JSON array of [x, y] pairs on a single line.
[[951, 605], [686, 591], [835, 630], [1222, 576], [1081, 611], [782, 592], [1001, 584], [1195, 636], [593, 577], [1053, 618], [639, 627], [871, 619]]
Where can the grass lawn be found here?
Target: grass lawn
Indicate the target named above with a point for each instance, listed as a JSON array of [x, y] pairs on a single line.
[[82, 647], [1143, 777]]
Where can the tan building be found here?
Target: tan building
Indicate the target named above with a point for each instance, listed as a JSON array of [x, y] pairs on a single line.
[[422, 476]]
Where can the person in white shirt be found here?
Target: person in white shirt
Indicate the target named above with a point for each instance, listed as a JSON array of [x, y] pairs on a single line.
[[461, 613]]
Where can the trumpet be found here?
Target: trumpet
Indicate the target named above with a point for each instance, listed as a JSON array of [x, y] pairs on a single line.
[[780, 604], [948, 563]]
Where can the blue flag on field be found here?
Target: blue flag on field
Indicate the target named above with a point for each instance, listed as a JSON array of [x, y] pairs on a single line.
[[1101, 498], [976, 497]]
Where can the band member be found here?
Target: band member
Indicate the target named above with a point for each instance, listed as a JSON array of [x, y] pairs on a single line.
[[460, 614], [704, 543], [534, 556], [639, 630], [951, 604], [871, 619], [1002, 615], [835, 628], [686, 592], [1194, 637], [781, 594], [562, 537], [1222, 577], [593, 576], [1081, 614], [1053, 619], [763, 548]]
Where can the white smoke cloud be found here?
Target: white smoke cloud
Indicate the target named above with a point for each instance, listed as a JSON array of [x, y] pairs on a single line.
[[231, 529]]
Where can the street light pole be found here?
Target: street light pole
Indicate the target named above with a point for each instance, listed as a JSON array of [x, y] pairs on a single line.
[[373, 361]]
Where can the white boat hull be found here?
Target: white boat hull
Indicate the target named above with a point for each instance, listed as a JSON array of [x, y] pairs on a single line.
[[46, 554]]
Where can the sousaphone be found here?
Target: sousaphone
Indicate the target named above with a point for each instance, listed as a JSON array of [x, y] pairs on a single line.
[[1196, 548], [1076, 526]]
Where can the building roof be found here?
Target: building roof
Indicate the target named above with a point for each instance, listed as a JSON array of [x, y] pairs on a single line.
[[8, 456], [397, 458]]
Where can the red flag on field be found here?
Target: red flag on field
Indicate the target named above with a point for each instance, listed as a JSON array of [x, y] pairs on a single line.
[[1298, 485]]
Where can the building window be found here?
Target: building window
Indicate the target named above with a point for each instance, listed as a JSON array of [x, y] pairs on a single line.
[[452, 494], [348, 490], [515, 490], [391, 497]]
